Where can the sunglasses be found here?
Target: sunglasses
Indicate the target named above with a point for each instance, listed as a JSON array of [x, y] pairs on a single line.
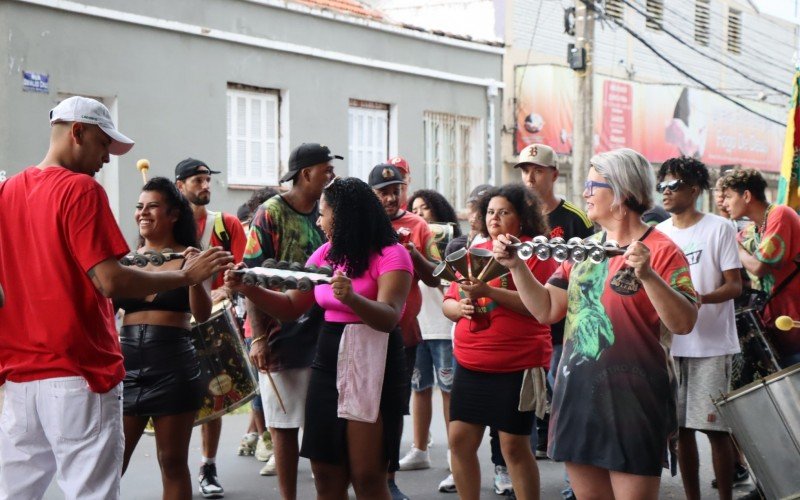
[[672, 185], [590, 185]]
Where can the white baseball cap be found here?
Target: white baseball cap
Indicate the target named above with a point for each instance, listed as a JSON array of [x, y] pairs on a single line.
[[85, 110]]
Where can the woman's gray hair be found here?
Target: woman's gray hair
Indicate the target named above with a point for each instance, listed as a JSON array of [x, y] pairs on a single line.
[[630, 175]]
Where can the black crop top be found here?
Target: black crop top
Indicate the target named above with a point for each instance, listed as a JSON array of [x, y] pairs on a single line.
[[175, 300]]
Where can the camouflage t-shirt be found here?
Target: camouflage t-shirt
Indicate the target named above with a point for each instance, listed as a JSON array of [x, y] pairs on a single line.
[[279, 231]]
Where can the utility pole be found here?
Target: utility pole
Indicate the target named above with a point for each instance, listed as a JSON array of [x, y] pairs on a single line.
[[582, 117]]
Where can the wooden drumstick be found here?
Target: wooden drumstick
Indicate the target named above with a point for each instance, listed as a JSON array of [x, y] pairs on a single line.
[[143, 166], [786, 323], [275, 388]]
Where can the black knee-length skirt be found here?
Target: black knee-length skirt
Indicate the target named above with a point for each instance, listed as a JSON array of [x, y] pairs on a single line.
[[325, 434]]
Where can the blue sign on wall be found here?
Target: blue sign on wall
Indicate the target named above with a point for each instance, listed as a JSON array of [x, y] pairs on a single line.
[[35, 82]]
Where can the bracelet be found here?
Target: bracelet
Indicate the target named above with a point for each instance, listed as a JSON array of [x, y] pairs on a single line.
[[257, 339]]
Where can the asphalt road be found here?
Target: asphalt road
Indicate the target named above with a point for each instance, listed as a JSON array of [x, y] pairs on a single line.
[[240, 478]]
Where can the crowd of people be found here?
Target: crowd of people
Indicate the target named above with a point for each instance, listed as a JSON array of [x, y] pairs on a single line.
[[606, 366]]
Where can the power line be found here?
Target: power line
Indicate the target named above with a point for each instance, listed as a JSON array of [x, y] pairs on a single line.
[[680, 70], [707, 56], [716, 36]]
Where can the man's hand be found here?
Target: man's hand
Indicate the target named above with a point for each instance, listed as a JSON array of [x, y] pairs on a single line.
[[201, 266], [259, 354]]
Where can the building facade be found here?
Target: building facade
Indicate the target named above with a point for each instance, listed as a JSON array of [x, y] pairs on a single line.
[[239, 83]]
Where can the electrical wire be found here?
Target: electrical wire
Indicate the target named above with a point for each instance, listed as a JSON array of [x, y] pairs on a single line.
[[590, 5], [707, 56]]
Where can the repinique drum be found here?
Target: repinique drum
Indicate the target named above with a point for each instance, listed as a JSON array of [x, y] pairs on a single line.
[[765, 419], [224, 364]]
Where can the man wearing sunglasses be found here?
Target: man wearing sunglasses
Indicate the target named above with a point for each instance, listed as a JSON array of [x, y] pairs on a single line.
[[703, 357]]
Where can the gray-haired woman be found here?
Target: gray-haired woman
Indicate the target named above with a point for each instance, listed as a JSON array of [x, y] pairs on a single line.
[[614, 403]]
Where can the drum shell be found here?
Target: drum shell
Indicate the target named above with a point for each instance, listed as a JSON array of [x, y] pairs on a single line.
[[224, 363], [765, 419]]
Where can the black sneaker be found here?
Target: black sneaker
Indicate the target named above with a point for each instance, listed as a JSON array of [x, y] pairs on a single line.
[[541, 451], [395, 491], [209, 485], [740, 476]]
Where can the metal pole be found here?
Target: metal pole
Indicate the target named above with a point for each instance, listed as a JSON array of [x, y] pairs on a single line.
[[583, 119]]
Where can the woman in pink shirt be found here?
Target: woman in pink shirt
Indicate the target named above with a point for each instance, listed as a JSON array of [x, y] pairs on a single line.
[[372, 279]]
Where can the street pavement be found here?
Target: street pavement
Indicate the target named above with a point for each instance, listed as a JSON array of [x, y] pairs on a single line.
[[240, 478]]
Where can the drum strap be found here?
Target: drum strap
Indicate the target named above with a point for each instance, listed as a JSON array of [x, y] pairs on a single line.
[[778, 289]]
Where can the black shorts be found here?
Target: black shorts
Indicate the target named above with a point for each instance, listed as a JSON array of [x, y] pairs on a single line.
[[162, 373], [489, 399], [325, 434]]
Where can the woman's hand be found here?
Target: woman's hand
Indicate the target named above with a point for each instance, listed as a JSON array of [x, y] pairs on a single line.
[[638, 257], [504, 255], [466, 309], [234, 281], [475, 289], [342, 288]]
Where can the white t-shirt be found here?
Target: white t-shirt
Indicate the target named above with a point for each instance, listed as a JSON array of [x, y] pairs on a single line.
[[710, 247], [432, 321]]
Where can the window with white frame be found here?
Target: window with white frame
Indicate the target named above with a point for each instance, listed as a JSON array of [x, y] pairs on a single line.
[[368, 136], [252, 136], [454, 155]]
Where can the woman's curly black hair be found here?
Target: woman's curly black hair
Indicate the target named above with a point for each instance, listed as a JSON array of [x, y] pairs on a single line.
[[185, 229], [690, 170], [361, 227], [747, 179], [526, 204], [441, 208]]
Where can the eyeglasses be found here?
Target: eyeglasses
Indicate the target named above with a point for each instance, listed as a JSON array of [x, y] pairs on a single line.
[[590, 185], [672, 185]]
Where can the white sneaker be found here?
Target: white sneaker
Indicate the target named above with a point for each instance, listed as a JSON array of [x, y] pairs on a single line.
[[247, 446], [448, 485], [264, 448], [269, 468], [416, 459], [502, 481]]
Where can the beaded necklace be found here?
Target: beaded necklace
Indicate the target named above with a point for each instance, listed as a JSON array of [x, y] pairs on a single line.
[[763, 227]]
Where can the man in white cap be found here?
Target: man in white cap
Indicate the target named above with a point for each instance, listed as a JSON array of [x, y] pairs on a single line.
[[60, 359]]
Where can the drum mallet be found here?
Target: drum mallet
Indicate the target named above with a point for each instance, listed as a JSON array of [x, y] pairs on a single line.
[[143, 166], [786, 323], [275, 388]]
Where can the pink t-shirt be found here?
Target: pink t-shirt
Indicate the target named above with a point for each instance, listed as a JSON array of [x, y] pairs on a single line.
[[393, 258]]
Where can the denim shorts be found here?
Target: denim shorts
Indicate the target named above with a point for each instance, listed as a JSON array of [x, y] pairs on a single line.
[[434, 363], [256, 403]]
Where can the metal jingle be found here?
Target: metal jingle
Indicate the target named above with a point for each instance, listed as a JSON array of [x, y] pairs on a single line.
[[283, 265], [270, 263], [250, 279], [525, 251], [542, 251], [561, 253], [304, 284], [597, 254], [274, 281], [578, 254]]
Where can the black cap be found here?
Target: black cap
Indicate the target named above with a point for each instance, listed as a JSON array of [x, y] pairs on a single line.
[[384, 175], [479, 191], [307, 155], [190, 167]]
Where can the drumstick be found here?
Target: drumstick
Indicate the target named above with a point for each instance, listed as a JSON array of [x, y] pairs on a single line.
[[143, 166], [275, 388], [786, 323]]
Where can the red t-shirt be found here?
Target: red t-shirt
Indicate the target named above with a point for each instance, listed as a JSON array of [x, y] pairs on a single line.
[[512, 341], [236, 244], [779, 246], [56, 225], [420, 235]]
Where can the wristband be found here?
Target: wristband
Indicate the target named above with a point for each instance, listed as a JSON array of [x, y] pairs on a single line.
[[257, 339]]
